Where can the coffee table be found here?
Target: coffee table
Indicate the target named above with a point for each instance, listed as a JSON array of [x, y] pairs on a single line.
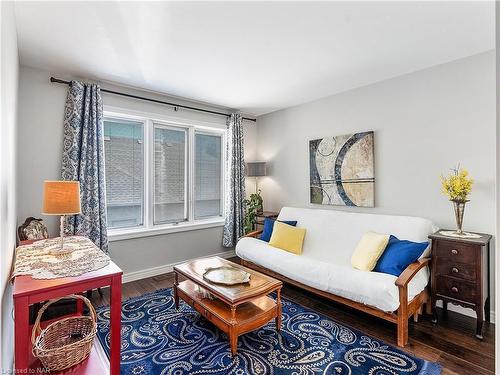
[[235, 309]]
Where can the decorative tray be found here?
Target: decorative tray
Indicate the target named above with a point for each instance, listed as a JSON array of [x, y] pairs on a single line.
[[226, 275]]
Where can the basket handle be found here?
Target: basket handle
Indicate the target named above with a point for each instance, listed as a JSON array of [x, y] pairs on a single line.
[[36, 327]]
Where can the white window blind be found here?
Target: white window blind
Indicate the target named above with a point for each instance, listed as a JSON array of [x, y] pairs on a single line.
[[170, 205], [124, 170], [208, 183]]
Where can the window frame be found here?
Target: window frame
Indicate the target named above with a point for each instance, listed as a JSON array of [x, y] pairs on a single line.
[[192, 127], [144, 173], [187, 161], [221, 182]]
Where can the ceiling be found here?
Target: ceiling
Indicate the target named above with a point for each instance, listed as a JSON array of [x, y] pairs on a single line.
[[256, 57]]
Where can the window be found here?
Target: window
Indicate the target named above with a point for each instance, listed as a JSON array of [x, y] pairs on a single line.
[[161, 174], [207, 176], [124, 164], [170, 204]]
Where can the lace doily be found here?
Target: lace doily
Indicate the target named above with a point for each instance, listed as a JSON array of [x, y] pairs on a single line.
[[41, 260], [451, 233]]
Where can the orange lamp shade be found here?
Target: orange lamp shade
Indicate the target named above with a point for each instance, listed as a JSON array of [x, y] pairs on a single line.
[[61, 198]]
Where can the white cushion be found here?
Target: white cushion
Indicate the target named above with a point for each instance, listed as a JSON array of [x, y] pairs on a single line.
[[332, 235], [370, 288]]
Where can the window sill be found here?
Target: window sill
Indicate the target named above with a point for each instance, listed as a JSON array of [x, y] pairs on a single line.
[[125, 234]]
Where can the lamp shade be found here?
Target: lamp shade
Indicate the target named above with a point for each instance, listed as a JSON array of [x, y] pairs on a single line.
[[256, 169], [61, 198]]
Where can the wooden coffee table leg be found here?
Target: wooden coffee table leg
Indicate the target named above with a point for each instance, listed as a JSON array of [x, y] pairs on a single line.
[[278, 313], [233, 342], [233, 334], [176, 294]]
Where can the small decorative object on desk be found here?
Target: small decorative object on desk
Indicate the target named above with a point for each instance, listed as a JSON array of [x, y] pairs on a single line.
[[226, 275], [32, 229], [39, 260], [67, 341], [457, 186], [61, 198]]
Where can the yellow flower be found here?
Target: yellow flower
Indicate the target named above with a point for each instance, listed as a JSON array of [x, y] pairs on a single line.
[[457, 186]]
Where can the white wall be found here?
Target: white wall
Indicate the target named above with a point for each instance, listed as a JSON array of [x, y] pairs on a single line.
[[424, 123], [40, 148], [9, 71], [497, 281]]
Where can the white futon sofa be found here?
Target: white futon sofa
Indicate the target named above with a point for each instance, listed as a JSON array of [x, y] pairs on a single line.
[[325, 264]]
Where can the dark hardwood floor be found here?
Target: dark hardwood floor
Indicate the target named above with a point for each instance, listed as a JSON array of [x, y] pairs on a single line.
[[451, 343]]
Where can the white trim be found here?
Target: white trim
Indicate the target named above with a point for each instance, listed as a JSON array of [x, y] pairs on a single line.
[[144, 122], [103, 358], [155, 271], [148, 173], [156, 117], [151, 122], [173, 128], [222, 171], [134, 232], [190, 188]]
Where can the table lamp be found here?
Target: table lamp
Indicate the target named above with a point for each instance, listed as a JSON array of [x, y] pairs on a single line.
[[256, 169], [61, 198]]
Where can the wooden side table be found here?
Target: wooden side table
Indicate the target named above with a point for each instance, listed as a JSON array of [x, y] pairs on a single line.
[[459, 269], [261, 217], [28, 291]]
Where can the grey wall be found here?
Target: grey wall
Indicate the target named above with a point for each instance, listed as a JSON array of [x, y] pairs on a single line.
[[424, 122], [40, 148], [9, 70]]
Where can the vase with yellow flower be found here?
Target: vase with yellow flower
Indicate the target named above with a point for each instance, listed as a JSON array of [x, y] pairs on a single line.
[[457, 187]]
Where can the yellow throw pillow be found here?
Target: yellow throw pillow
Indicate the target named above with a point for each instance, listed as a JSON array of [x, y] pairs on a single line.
[[287, 237], [369, 249]]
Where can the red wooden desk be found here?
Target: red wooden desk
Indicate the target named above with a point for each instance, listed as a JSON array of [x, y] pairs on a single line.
[[28, 291]]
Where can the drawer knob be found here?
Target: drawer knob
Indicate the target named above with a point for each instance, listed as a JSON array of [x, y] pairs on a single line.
[[454, 289], [454, 252], [454, 270]]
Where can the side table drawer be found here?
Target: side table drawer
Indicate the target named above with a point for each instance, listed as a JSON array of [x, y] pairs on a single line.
[[453, 251], [459, 270], [456, 288]]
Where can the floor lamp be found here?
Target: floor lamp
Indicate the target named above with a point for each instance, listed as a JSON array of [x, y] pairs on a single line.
[[256, 169]]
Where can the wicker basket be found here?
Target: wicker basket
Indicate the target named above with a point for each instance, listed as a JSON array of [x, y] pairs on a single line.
[[67, 341]]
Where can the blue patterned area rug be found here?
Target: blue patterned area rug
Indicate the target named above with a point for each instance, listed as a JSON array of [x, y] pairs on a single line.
[[158, 339]]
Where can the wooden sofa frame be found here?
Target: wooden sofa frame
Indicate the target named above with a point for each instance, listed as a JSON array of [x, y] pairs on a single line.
[[400, 316]]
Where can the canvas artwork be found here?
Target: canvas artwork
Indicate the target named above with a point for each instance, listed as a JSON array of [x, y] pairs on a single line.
[[342, 170]]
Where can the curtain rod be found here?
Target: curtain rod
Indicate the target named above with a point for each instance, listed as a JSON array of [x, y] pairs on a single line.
[[57, 80]]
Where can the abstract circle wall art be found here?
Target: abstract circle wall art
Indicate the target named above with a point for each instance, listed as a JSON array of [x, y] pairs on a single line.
[[342, 170]]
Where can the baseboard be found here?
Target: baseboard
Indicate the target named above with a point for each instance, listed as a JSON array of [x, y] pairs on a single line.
[[155, 271], [464, 311], [101, 354]]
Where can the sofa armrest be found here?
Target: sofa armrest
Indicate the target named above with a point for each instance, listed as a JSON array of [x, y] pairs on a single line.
[[253, 234], [410, 271]]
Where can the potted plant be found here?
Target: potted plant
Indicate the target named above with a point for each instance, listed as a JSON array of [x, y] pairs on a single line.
[[253, 206], [457, 187]]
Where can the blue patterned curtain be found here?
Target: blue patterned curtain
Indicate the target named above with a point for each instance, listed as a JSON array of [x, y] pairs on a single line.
[[235, 182], [83, 160]]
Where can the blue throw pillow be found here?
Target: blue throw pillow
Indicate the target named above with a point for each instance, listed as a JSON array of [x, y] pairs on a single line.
[[398, 255], [268, 228]]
